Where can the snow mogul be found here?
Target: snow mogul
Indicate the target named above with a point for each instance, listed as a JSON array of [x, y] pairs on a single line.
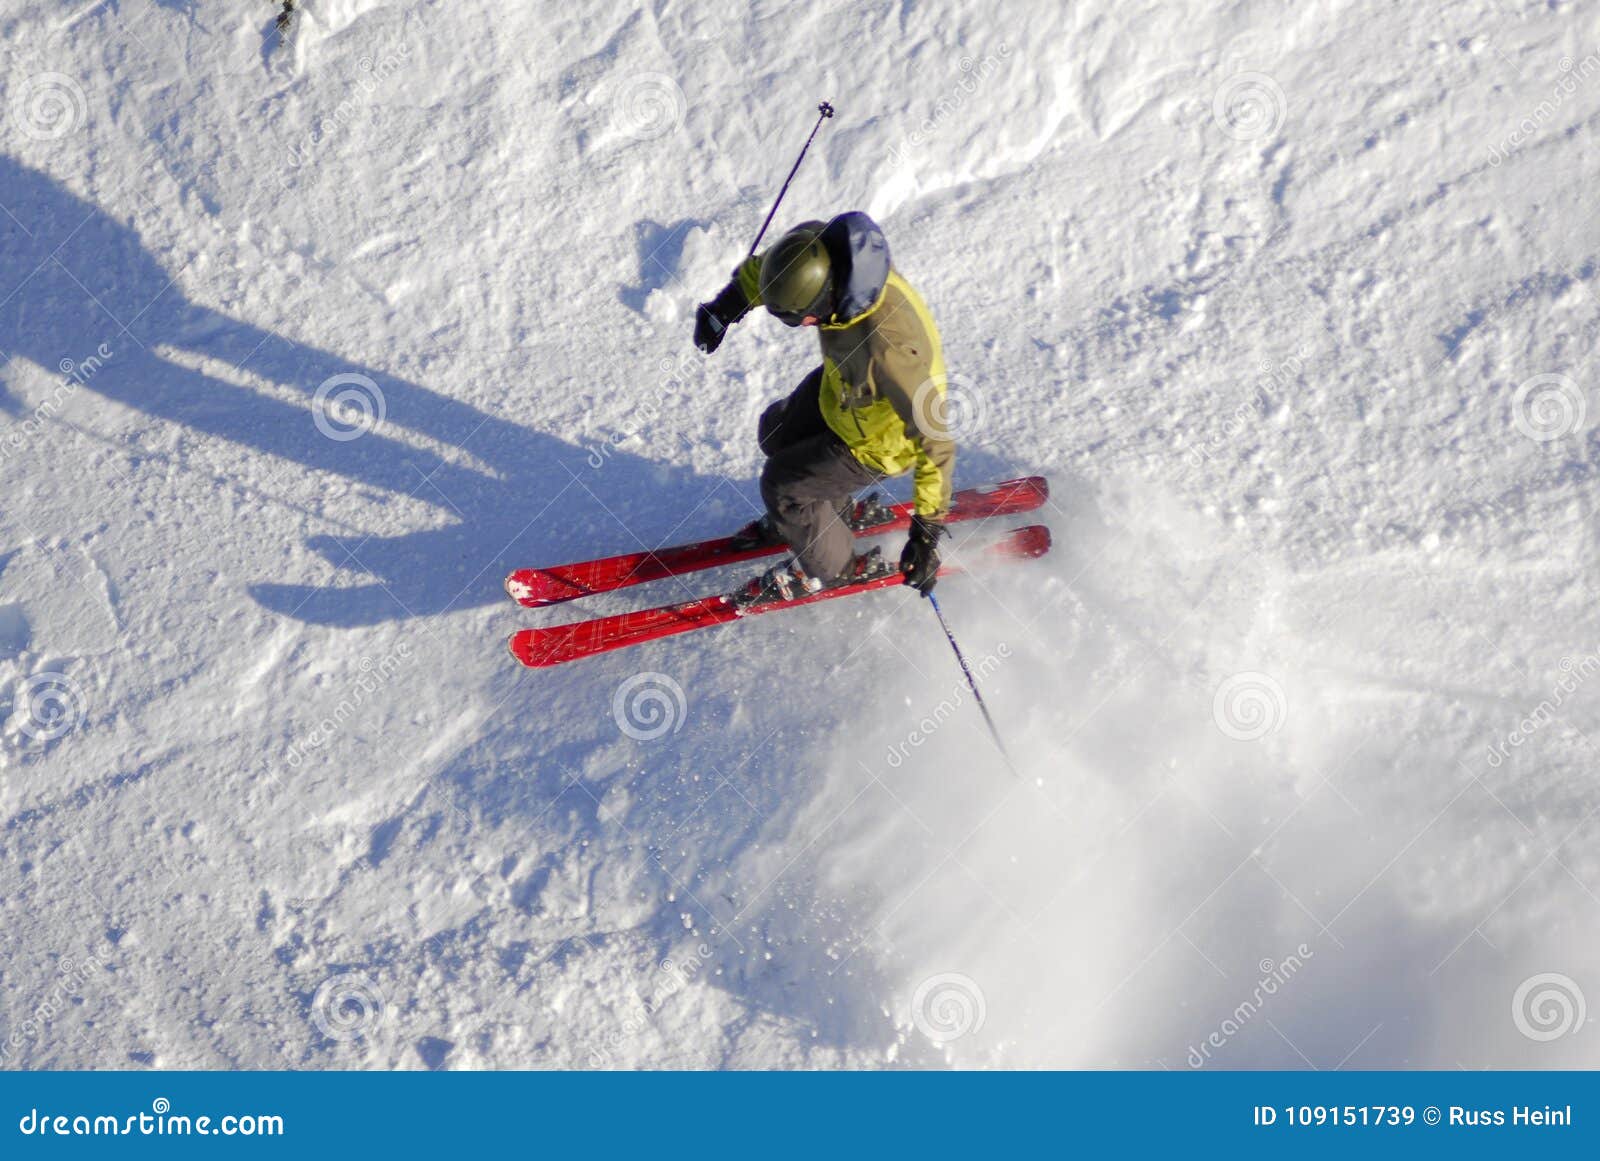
[[873, 409]]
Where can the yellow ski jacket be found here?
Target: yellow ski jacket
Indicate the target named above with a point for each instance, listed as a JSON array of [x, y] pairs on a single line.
[[883, 373]]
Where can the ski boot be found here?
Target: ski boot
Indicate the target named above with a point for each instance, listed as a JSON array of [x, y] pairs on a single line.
[[788, 581], [868, 512], [757, 534], [781, 582], [867, 566]]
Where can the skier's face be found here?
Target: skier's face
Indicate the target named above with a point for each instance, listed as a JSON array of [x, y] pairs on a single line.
[[794, 318]]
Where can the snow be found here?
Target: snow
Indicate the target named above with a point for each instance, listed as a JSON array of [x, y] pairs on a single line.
[[1295, 307]]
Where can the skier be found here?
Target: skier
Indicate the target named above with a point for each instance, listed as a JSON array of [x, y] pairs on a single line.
[[873, 409]]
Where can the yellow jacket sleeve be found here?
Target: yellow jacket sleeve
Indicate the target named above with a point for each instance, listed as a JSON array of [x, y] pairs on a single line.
[[748, 276], [921, 410]]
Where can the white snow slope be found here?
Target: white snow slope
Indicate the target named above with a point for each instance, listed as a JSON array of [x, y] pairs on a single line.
[[1294, 304]]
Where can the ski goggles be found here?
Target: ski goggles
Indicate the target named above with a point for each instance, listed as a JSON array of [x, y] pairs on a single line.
[[819, 308]]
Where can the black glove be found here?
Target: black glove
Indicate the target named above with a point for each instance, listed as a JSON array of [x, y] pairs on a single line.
[[712, 319], [920, 560]]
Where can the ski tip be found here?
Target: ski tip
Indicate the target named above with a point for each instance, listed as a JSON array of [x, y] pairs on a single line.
[[519, 590], [1025, 543], [537, 588], [1036, 484], [520, 646], [536, 649], [1033, 540]]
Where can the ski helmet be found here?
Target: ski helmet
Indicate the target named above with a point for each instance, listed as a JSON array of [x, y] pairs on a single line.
[[797, 276]]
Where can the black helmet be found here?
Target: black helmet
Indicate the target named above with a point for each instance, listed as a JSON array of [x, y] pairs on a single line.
[[797, 276]]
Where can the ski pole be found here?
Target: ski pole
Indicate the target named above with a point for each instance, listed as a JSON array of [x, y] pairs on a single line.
[[824, 111], [972, 684]]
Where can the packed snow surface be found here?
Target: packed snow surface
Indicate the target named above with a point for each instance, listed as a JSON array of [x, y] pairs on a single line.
[[307, 341]]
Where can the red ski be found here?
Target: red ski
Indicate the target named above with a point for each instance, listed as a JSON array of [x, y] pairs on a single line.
[[536, 588], [571, 642]]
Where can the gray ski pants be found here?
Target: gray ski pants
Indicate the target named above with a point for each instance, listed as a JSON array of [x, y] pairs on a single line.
[[809, 479]]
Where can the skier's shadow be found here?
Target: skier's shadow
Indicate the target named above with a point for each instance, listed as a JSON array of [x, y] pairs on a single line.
[[76, 282]]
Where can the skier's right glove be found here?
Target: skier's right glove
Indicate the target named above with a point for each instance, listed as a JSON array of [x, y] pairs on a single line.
[[712, 319], [920, 560]]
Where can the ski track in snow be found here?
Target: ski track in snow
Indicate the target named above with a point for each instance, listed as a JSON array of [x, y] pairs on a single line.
[[1257, 292]]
